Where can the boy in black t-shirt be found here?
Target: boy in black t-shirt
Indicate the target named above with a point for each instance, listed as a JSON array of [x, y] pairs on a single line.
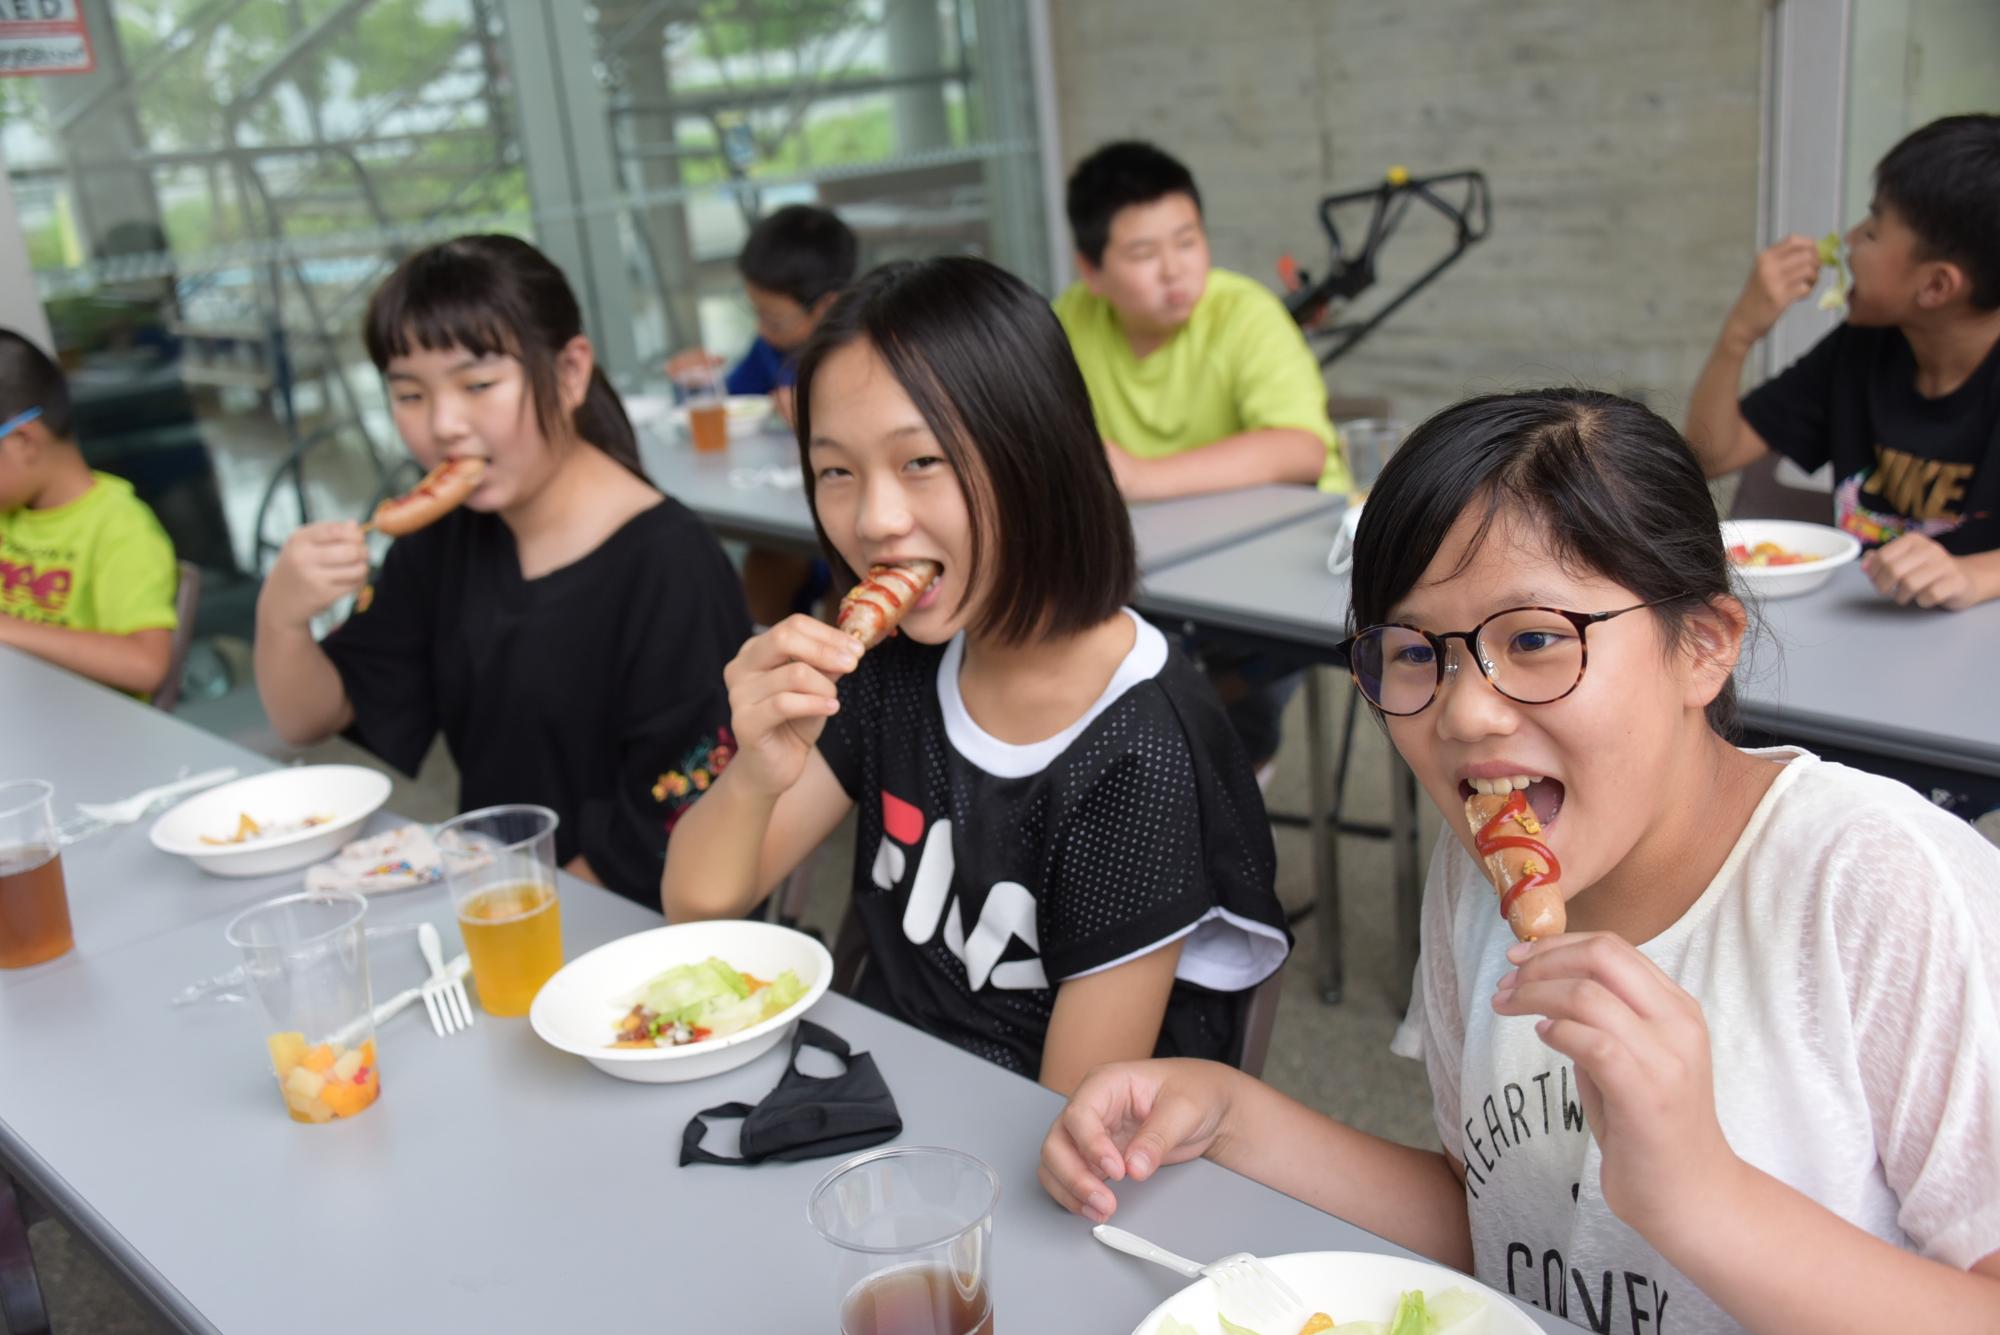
[[1904, 398]]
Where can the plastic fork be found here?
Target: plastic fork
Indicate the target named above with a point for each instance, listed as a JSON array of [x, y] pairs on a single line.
[[1247, 1292], [93, 817], [444, 995]]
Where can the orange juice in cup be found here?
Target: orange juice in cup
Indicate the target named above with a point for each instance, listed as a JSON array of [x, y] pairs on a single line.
[[500, 863]]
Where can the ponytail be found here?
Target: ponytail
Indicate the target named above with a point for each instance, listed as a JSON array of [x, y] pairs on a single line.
[[601, 420]]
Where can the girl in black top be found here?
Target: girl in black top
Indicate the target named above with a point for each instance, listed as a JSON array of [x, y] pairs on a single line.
[[1061, 856], [565, 629]]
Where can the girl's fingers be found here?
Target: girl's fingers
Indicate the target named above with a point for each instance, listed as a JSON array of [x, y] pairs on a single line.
[[1619, 1075], [803, 640], [791, 679], [1174, 1120], [1609, 960], [1593, 1006], [1068, 1178]]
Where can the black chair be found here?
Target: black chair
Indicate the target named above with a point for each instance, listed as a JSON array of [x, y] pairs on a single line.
[[187, 601]]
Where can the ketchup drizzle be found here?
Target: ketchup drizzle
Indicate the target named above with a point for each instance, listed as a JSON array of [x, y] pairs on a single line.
[[1489, 841]]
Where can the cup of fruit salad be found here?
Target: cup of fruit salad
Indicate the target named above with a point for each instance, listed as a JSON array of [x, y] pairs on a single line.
[[306, 958]]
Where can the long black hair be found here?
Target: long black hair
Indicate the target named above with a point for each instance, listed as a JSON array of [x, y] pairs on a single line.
[[983, 358], [497, 295], [1615, 488]]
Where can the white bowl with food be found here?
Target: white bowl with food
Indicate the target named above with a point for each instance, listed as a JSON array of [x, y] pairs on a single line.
[[272, 822], [748, 415], [1783, 558], [694, 1019], [1361, 1292]]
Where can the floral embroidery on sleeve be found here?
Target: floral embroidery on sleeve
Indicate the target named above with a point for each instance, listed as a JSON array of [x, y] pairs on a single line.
[[677, 789]]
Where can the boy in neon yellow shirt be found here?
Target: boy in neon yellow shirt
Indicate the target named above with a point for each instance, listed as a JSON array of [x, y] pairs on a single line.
[[86, 573], [1200, 379]]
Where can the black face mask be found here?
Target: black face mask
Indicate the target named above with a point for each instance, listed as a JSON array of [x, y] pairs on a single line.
[[807, 1116]]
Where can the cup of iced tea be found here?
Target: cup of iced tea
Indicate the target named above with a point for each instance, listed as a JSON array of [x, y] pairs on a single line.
[[34, 905], [707, 404], [913, 1230], [306, 958], [501, 865]]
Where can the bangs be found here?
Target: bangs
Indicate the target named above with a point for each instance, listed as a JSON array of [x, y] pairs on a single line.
[[439, 300]]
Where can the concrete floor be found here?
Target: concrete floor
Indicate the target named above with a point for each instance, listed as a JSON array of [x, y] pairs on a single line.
[[1335, 1058]]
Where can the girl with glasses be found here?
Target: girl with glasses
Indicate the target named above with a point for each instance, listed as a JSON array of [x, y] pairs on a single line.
[[1756, 1083]]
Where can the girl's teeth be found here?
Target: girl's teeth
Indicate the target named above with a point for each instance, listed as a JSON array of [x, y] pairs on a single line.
[[1506, 784]]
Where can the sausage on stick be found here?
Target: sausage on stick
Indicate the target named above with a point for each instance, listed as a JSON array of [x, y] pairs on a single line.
[[1524, 872], [442, 490], [872, 608]]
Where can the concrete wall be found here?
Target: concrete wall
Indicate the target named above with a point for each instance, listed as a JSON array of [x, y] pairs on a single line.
[[1620, 139]]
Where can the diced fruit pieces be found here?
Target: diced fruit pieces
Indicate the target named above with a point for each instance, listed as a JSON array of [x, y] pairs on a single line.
[[344, 1069], [368, 1053], [286, 1052], [318, 1058], [307, 1109], [304, 1082], [348, 1099]]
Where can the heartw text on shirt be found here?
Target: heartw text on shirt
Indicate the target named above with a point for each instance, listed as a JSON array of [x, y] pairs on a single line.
[[1547, 1106]]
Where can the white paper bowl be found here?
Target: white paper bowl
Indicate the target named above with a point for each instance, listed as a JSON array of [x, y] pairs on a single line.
[[1347, 1286], [1832, 546], [346, 794], [578, 1010], [748, 414]]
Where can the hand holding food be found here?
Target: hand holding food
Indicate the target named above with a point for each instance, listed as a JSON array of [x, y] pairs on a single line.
[[1524, 872], [781, 689], [318, 566], [872, 608], [1644, 1074], [442, 490], [1783, 274]]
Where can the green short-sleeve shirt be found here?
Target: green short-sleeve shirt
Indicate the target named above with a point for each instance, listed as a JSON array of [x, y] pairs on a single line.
[[101, 562], [1239, 364]]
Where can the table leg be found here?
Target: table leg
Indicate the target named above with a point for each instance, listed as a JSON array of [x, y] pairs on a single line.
[[1409, 886], [21, 1309], [1323, 823]]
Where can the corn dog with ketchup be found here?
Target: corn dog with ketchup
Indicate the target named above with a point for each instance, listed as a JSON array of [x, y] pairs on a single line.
[[1524, 872], [442, 490], [872, 608]]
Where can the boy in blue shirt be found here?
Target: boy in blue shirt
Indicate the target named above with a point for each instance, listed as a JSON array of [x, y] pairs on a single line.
[[794, 264], [1904, 398]]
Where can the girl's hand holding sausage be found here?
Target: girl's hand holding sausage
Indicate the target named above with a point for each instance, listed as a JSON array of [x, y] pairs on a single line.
[[781, 691], [318, 566], [1640, 1046], [1126, 1120]]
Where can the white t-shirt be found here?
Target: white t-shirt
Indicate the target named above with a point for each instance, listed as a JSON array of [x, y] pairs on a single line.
[[1847, 960]]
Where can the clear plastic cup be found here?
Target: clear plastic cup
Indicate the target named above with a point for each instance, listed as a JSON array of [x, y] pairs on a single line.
[[707, 404], [1367, 443], [500, 863], [913, 1229], [306, 958], [34, 902]]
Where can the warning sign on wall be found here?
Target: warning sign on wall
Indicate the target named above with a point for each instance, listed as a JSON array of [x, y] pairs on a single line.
[[43, 37]]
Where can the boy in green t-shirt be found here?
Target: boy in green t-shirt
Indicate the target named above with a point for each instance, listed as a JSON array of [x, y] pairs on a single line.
[[86, 573], [1200, 379]]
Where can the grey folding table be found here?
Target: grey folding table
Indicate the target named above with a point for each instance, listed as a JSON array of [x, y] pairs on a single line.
[[498, 1184], [751, 492], [1844, 666], [94, 745]]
